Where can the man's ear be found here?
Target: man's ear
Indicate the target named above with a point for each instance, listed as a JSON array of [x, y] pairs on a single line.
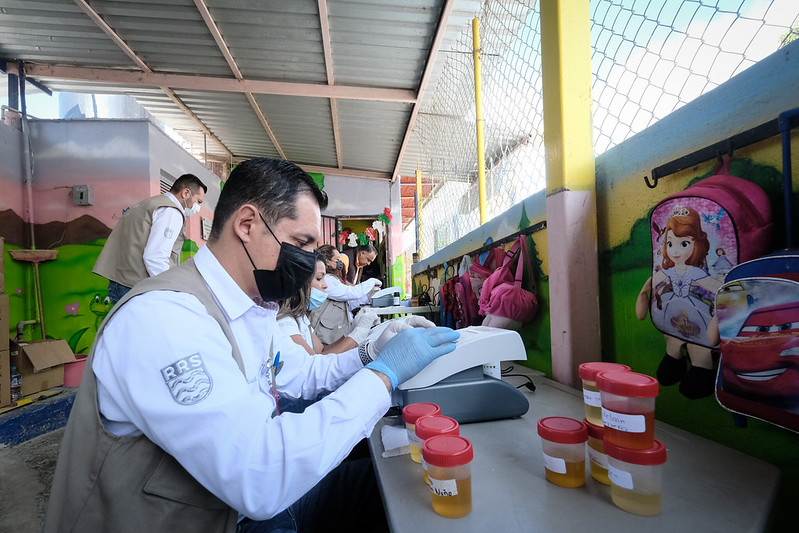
[[244, 222]]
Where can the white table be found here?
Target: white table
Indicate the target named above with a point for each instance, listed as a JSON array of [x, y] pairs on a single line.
[[706, 486]]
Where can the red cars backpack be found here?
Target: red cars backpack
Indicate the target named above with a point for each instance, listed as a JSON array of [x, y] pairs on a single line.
[[758, 321], [698, 235]]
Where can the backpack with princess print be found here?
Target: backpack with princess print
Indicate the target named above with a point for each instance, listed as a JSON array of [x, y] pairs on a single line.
[[698, 235]]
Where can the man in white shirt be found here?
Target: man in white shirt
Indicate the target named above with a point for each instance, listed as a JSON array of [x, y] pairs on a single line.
[[177, 427], [148, 238]]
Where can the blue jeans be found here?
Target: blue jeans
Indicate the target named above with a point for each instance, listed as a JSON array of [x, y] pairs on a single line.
[[116, 291], [347, 499]]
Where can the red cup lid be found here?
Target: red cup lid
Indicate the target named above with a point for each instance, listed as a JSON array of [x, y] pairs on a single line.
[[415, 410], [562, 430], [431, 425], [589, 371], [594, 431], [656, 455], [447, 450], [630, 384]]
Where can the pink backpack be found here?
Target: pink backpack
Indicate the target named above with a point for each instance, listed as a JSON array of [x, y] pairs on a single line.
[[503, 300], [698, 235]]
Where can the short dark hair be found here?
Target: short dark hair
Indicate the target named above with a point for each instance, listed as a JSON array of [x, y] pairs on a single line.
[[369, 248], [189, 181], [271, 185]]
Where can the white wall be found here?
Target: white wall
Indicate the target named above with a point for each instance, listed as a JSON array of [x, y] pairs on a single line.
[[356, 196]]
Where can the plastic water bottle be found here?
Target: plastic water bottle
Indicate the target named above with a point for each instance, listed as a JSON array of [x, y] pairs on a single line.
[[16, 385]]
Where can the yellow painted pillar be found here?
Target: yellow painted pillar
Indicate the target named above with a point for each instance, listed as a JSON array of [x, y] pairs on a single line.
[[419, 234], [478, 109], [571, 187]]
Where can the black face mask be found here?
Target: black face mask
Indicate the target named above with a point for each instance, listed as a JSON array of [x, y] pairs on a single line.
[[294, 268]]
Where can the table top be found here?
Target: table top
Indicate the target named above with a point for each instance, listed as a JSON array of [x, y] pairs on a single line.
[[706, 486], [402, 310]]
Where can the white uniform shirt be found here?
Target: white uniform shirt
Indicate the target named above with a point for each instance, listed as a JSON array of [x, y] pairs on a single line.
[[226, 437], [297, 326], [167, 225], [354, 295]]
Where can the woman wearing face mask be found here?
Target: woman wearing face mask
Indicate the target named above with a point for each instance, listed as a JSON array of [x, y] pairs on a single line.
[[293, 316], [337, 286]]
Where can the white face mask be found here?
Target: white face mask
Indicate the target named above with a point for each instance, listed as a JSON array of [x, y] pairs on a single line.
[[191, 211]]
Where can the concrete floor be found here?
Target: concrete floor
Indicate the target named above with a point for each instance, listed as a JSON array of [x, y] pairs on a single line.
[[27, 471]]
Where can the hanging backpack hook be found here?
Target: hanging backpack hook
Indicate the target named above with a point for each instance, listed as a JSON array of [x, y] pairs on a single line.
[[654, 182]]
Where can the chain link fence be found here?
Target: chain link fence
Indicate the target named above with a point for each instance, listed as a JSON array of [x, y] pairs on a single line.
[[649, 57]]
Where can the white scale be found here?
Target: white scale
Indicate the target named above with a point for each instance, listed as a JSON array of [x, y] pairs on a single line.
[[466, 383]]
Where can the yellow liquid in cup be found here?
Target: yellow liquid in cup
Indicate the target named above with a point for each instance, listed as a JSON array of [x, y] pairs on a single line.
[[635, 502], [458, 505], [600, 474], [574, 476]]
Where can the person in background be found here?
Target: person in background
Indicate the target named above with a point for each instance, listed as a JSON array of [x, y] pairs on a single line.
[[177, 428], [293, 317], [148, 238], [358, 258], [337, 286]]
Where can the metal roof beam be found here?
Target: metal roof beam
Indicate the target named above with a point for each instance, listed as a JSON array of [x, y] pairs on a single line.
[[208, 83], [223, 47], [324, 25], [443, 22], [347, 173], [97, 19]]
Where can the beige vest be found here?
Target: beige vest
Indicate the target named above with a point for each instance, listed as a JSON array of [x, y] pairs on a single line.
[[104, 482], [122, 257]]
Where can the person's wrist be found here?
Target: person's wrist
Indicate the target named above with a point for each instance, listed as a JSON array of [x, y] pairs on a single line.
[[381, 367], [383, 378]]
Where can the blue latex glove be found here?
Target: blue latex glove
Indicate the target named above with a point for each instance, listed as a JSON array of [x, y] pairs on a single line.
[[412, 349]]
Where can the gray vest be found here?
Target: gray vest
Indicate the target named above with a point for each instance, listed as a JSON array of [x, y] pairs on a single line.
[[122, 257], [104, 482]]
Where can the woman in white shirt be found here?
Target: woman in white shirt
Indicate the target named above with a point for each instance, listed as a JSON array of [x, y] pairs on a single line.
[[337, 286], [293, 316]]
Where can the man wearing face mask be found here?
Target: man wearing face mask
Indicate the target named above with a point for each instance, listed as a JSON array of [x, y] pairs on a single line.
[[148, 238], [176, 426]]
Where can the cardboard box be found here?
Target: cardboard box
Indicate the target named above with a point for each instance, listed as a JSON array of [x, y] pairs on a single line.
[[4, 322], [41, 363], [5, 378]]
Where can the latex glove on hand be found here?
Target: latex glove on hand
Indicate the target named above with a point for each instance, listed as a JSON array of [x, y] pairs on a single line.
[[370, 285], [363, 322], [412, 349], [396, 325]]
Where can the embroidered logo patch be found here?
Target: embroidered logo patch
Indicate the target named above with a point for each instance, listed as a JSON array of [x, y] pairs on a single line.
[[168, 232], [187, 380]]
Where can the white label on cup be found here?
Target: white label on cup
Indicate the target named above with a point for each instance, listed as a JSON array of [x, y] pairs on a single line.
[[598, 458], [555, 464], [620, 477], [414, 439], [592, 398], [623, 422], [444, 487]]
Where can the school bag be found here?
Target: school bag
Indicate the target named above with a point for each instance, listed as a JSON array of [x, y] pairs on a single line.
[[698, 235], [468, 307], [758, 320], [758, 326], [503, 300], [448, 306], [483, 266]]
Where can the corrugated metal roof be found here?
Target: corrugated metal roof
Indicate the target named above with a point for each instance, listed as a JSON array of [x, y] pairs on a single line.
[[329, 84]]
